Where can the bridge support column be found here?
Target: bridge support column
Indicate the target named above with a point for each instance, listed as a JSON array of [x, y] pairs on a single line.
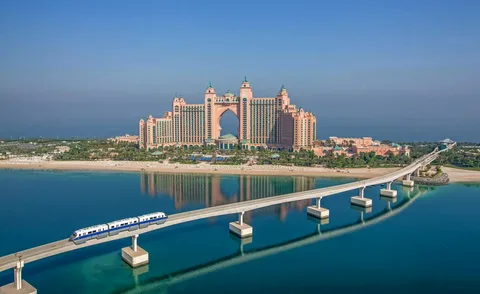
[[408, 182], [18, 286], [388, 192], [317, 211], [135, 256], [240, 228], [360, 200], [417, 171]]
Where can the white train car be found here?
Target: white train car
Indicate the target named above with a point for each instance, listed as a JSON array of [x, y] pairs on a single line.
[[152, 218], [118, 226], [93, 232], [113, 228]]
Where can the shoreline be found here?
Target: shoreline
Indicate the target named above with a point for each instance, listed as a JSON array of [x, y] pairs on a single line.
[[455, 175], [149, 166]]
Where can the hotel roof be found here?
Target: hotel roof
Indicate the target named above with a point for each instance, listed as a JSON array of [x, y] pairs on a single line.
[[227, 137]]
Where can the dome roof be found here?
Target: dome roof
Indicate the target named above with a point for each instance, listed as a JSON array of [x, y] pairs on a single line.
[[229, 94], [227, 136]]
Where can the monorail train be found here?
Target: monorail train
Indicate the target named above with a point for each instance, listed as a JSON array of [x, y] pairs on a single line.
[[115, 227]]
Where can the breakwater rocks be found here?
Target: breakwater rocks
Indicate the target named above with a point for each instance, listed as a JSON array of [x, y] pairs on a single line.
[[436, 181]]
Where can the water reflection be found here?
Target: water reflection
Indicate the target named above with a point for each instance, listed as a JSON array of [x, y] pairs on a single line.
[[361, 209], [161, 283], [388, 200], [208, 190]]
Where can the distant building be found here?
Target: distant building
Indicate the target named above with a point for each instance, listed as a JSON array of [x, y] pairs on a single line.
[[126, 138], [447, 141], [263, 122], [61, 149], [382, 150], [354, 146], [364, 141]]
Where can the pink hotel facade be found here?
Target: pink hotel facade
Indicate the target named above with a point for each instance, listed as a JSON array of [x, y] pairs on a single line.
[[263, 122]]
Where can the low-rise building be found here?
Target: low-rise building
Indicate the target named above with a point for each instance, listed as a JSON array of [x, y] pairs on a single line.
[[364, 141], [382, 149], [126, 138], [354, 146], [61, 149]]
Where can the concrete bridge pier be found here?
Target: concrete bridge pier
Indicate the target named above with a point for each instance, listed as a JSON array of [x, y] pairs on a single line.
[[388, 192], [408, 182], [18, 286], [417, 171], [240, 228], [135, 256], [317, 211], [360, 200]]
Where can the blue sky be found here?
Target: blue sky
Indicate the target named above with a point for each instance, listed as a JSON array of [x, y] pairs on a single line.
[[389, 69]]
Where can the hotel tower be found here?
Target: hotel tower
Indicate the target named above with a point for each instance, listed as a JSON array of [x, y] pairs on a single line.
[[263, 122]]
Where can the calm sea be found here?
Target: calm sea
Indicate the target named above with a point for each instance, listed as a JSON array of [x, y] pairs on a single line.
[[427, 241]]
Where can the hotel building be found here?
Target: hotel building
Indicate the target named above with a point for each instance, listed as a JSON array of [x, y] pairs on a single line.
[[263, 122]]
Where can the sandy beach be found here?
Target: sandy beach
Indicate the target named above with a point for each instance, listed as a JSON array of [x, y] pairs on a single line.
[[456, 175], [462, 175], [132, 166]]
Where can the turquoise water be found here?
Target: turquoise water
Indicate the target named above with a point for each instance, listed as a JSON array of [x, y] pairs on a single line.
[[427, 241]]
